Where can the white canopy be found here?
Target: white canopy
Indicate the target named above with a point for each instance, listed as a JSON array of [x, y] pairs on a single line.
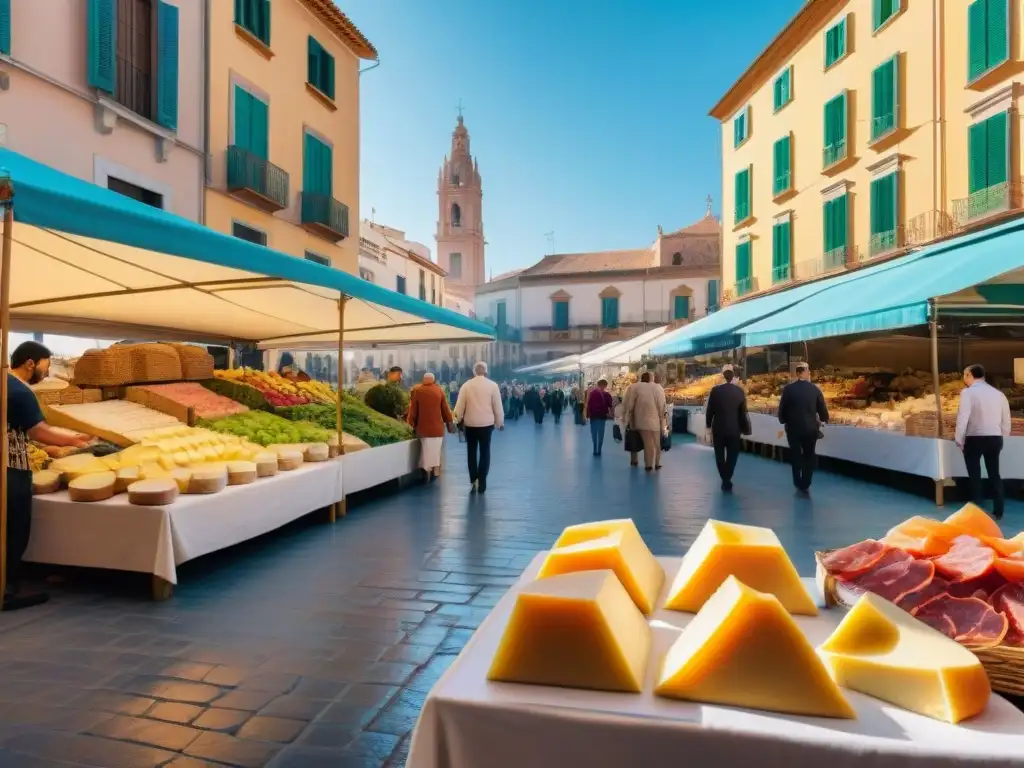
[[618, 353]]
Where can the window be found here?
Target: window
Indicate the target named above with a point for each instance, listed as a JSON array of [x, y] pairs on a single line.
[[712, 296], [884, 213], [885, 103], [677, 259], [251, 123], [836, 231], [400, 283], [835, 130], [134, 191], [366, 274], [455, 263], [455, 180], [680, 307], [5, 27], [245, 232], [456, 215], [835, 42], [134, 87], [988, 162], [988, 36], [783, 89], [782, 251], [433, 288], [744, 269], [783, 164], [317, 166], [560, 315], [320, 71], [310, 256], [423, 285], [883, 11], [500, 314], [742, 195], [610, 312], [741, 127], [254, 16]]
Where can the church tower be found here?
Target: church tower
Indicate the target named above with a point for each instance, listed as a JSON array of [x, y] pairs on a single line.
[[460, 226]]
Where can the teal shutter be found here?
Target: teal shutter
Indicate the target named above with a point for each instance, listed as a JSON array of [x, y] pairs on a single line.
[[782, 171], [313, 65], [712, 294], [743, 268], [326, 169], [5, 27], [997, 133], [681, 308], [883, 213], [328, 61], [742, 190], [883, 11], [243, 119], [884, 98], [167, 65], [317, 176], [835, 43], [997, 33], [610, 312], [781, 252], [560, 315], [977, 31], [259, 135], [977, 153], [502, 314], [835, 130], [102, 31]]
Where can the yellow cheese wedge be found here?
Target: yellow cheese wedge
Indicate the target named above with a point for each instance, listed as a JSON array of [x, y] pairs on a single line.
[[77, 465], [753, 555], [125, 476], [208, 480], [576, 534], [266, 464], [153, 493], [167, 461], [182, 476], [883, 651], [242, 472], [289, 460], [152, 470], [743, 649], [112, 462], [316, 452], [95, 487], [622, 551], [577, 630], [45, 481], [181, 458]]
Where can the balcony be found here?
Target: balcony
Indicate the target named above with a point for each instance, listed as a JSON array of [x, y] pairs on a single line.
[[984, 203], [882, 243], [883, 126], [928, 226], [256, 180], [781, 273], [834, 153], [745, 286], [324, 216], [827, 263]]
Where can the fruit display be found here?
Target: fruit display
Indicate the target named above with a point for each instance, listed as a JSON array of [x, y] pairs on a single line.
[[120, 422], [267, 428], [360, 421], [276, 389], [693, 392], [205, 404]]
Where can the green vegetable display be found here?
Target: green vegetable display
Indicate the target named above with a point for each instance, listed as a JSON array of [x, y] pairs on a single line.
[[389, 399], [267, 428], [359, 421], [248, 396]]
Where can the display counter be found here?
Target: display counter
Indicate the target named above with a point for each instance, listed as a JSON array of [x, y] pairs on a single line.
[[467, 722], [376, 466]]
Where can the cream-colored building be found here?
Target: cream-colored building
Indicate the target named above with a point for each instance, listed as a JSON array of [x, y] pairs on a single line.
[[283, 120], [867, 128]]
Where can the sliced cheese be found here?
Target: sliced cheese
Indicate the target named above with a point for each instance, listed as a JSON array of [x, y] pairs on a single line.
[[77, 465], [182, 476], [152, 470], [208, 480], [881, 650], [125, 476], [316, 452], [242, 472], [112, 462], [153, 493], [576, 534], [45, 481], [753, 555], [94, 487], [622, 551], [743, 649], [266, 464], [167, 461], [577, 630], [288, 460]]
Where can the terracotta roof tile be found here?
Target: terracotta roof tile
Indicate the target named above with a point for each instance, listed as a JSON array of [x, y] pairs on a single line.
[[342, 26], [602, 261]]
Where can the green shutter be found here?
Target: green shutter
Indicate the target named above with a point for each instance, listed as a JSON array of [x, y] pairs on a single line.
[[712, 294], [998, 134], [997, 33], [167, 65], [680, 307], [743, 268], [884, 203], [313, 64], [560, 315], [254, 15], [977, 153], [835, 43], [976, 34], [317, 170], [328, 62], [259, 136], [885, 98], [326, 169], [782, 90], [783, 163], [102, 33], [883, 11], [835, 130], [835, 225], [243, 119], [742, 202], [5, 27], [739, 128]]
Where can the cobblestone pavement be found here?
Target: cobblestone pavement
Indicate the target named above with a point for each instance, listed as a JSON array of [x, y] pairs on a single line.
[[316, 646]]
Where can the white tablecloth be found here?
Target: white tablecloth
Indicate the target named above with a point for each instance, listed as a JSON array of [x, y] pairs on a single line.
[[370, 468], [468, 722], [121, 536], [1011, 460]]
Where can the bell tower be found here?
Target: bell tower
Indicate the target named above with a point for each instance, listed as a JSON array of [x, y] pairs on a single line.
[[460, 226]]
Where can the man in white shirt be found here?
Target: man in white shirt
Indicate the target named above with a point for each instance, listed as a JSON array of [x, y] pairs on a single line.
[[981, 424], [478, 411]]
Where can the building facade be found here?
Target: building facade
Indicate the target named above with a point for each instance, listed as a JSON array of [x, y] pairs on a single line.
[[284, 126], [110, 91], [865, 129], [460, 223], [388, 259]]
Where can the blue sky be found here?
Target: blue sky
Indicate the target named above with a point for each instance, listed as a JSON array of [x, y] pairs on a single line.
[[588, 117]]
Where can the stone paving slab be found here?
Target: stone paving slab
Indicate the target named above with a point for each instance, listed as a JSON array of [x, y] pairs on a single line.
[[316, 645]]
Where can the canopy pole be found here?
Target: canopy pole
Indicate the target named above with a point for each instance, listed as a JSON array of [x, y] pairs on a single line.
[[934, 328], [339, 509], [7, 202]]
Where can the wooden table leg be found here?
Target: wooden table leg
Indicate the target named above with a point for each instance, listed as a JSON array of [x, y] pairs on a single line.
[[342, 508], [162, 589], [940, 493]]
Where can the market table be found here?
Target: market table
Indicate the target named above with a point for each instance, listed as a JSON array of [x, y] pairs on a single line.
[[122, 536], [468, 722]]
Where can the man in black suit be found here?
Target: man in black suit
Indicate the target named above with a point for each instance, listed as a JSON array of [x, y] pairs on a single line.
[[726, 417], [802, 411]]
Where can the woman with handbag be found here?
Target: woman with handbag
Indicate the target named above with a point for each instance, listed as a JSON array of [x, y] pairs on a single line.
[[429, 415]]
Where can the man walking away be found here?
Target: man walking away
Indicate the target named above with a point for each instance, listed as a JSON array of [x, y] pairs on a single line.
[[802, 411], [478, 409], [557, 403], [981, 424], [598, 409], [726, 417], [645, 414]]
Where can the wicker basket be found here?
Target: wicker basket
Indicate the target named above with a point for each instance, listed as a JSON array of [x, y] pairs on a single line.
[[196, 362], [1004, 664], [103, 367], [154, 362]]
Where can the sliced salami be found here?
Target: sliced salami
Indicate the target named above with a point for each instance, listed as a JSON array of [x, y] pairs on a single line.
[[975, 622], [854, 559], [1009, 601], [934, 588], [896, 580], [983, 586], [967, 559]]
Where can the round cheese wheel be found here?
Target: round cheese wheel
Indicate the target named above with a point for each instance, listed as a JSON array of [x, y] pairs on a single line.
[[182, 476], [316, 452], [45, 481], [288, 460], [242, 472], [125, 477], [208, 480], [95, 487], [153, 493], [266, 464]]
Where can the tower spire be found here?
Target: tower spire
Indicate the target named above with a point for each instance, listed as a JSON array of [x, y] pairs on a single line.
[[709, 202]]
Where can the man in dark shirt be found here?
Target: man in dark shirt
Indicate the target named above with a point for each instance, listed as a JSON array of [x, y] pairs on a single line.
[[30, 364], [726, 417], [802, 411]]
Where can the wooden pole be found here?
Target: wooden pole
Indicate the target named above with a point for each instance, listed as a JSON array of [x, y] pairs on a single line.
[[339, 509], [5, 322], [934, 328]]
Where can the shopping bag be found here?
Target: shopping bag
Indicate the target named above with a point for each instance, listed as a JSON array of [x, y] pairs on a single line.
[[632, 442], [666, 441], [616, 433]]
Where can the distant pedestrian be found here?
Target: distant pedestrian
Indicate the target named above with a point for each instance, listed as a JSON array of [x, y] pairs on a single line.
[[599, 408], [725, 416], [429, 416], [478, 410], [981, 424], [557, 403], [802, 412], [645, 414]]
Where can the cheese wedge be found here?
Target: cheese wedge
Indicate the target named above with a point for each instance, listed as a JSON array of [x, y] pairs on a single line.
[[208, 480], [98, 486], [45, 481], [125, 476], [881, 650], [576, 534], [182, 476], [266, 464], [743, 649], [241, 472], [152, 470], [77, 465], [153, 493], [289, 460], [316, 452], [577, 630], [622, 551], [753, 555]]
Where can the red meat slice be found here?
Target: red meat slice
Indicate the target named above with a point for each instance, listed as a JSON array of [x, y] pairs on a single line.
[[896, 580], [854, 559], [967, 559], [933, 588], [982, 587], [1009, 601], [975, 622]]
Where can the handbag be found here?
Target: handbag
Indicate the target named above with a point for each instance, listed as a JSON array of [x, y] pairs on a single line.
[[632, 442], [666, 441], [616, 432]]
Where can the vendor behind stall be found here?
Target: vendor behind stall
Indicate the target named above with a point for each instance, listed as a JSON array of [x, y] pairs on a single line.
[[30, 364]]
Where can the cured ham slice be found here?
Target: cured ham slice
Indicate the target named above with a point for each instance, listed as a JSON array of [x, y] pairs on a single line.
[[972, 520], [854, 559], [981, 587], [933, 588], [1009, 601], [975, 622], [896, 580], [967, 559], [922, 537]]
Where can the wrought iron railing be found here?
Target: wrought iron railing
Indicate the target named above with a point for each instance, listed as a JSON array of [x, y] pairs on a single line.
[[833, 153], [325, 211], [830, 261], [782, 183], [257, 174], [781, 273], [745, 286], [883, 242], [928, 226], [883, 125], [986, 202]]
